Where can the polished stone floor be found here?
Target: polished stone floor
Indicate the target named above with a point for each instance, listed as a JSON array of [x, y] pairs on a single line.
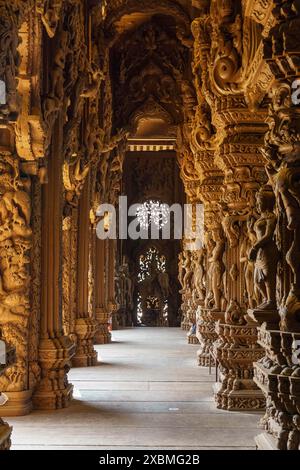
[[146, 393]]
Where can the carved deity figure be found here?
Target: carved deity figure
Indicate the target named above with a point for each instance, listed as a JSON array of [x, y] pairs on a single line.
[[287, 187], [217, 267], [181, 270], [128, 287], [188, 272], [124, 286], [55, 99], [264, 252], [74, 178], [293, 442], [164, 281], [248, 242], [199, 274]]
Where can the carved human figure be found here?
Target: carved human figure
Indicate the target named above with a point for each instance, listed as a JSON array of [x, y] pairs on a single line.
[[294, 436], [164, 281], [248, 242], [199, 276], [181, 270], [128, 286], [58, 69], [217, 267], [118, 287], [287, 187], [188, 271], [264, 252]]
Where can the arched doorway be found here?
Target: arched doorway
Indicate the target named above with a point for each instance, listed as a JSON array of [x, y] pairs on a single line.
[[153, 289]]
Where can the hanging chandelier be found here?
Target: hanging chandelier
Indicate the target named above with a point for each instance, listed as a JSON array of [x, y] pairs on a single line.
[[153, 212]]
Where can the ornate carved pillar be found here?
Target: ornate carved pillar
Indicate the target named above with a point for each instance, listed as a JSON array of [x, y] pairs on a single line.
[[103, 335], [189, 257], [278, 373], [70, 271], [21, 140], [112, 306], [223, 63], [85, 324], [204, 141], [55, 349], [191, 279], [207, 313], [236, 348], [185, 277], [15, 245]]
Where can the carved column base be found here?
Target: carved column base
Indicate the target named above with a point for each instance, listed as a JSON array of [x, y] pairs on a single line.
[[18, 404], [53, 391], [186, 321], [86, 330], [238, 400], [185, 324], [278, 376], [114, 309], [192, 339], [206, 333], [103, 335], [203, 357], [5, 434], [235, 351]]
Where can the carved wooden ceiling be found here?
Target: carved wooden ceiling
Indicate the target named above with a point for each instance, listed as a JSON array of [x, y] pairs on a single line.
[[150, 83]]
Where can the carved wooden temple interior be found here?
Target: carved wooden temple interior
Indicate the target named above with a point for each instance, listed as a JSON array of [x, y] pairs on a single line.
[[164, 102]]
